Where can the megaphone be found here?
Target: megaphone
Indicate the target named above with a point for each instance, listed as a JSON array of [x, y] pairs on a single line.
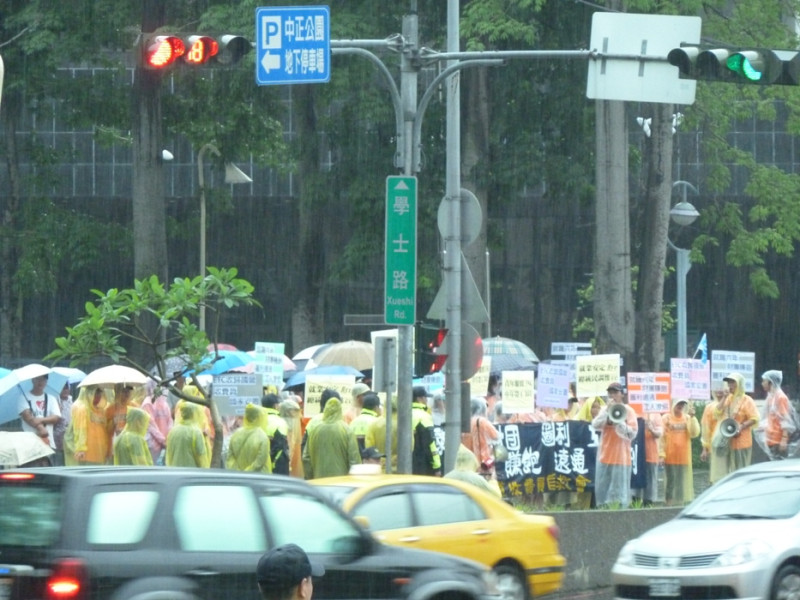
[[728, 427], [617, 413]]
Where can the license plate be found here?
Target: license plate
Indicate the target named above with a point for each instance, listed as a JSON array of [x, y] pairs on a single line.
[[665, 587], [5, 588]]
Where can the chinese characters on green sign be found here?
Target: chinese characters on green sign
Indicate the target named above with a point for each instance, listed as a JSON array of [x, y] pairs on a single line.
[[401, 250]]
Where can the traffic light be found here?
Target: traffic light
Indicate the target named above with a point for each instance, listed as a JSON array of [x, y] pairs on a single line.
[[428, 340], [162, 50], [757, 65]]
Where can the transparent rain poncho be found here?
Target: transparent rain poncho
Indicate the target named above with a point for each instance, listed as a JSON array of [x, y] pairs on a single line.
[[130, 446], [777, 432], [249, 447]]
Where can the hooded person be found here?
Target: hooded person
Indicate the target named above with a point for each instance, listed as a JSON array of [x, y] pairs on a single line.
[[778, 419], [613, 472], [715, 447], [291, 412], [130, 446], [186, 444], [742, 409], [332, 447], [467, 469], [86, 440], [249, 448], [680, 428]]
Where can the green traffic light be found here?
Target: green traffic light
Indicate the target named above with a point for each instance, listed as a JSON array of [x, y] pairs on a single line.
[[739, 63]]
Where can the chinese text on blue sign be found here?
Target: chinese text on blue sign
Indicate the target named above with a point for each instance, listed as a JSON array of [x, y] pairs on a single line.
[[293, 45]]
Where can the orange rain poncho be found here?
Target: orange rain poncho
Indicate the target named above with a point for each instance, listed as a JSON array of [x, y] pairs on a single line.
[[248, 449], [86, 441], [130, 446]]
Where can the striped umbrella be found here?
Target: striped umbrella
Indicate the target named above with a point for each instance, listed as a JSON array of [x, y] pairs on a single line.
[[501, 345]]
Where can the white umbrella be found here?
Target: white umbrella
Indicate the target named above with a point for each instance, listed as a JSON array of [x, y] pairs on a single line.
[[352, 353], [113, 374], [73, 375], [21, 447], [17, 383]]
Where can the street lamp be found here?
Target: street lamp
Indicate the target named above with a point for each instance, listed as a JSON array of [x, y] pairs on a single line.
[[232, 175], [683, 214]]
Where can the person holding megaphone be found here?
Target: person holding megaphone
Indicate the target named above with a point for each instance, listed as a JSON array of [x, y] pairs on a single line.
[[618, 427]]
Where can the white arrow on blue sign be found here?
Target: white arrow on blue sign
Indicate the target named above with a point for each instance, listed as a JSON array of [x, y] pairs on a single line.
[[293, 45]]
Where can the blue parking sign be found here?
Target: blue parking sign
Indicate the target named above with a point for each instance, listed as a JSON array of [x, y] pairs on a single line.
[[293, 45]]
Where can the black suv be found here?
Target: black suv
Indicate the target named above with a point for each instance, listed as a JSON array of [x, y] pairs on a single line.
[[127, 533]]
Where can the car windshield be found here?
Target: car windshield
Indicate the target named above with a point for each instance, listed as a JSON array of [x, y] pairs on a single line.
[[749, 496], [31, 513]]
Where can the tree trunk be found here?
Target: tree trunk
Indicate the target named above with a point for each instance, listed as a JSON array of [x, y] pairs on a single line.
[[10, 303], [474, 157], [309, 264], [613, 298], [650, 290]]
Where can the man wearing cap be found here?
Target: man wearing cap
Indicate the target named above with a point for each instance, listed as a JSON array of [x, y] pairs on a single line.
[[612, 483], [425, 459], [357, 392], [285, 573], [370, 409]]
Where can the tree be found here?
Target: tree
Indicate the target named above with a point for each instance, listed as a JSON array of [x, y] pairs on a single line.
[[116, 319]]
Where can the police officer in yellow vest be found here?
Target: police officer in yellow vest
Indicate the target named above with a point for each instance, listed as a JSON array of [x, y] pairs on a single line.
[[425, 459], [370, 409]]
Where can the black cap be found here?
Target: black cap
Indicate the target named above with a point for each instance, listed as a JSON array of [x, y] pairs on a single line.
[[371, 453], [614, 386], [286, 566], [420, 392]]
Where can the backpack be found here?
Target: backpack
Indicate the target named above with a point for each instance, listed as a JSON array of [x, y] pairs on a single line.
[[279, 453], [421, 455]]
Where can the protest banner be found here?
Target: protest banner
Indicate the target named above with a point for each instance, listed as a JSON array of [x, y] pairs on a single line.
[[649, 392]]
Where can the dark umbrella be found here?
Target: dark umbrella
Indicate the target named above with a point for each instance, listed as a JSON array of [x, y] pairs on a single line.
[[510, 362], [299, 378]]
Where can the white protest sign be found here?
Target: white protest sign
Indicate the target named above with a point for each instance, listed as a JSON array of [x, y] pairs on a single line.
[[689, 379], [316, 384], [233, 391], [594, 373], [518, 393], [553, 386], [724, 362], [269, 362]]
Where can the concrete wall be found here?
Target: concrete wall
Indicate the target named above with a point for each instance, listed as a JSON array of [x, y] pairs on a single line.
[[592, 539]]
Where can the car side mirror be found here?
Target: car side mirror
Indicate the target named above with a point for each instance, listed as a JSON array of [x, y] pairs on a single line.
[[362, 521]]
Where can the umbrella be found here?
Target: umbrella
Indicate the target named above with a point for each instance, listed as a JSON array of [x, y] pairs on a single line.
[[211, 348], [172, 365], [304, 358], [299, 378], [352, 353], [113, 374], [510, 362], [20, 447], [16, 383], [73, 375], [224, 361], [501, 345]]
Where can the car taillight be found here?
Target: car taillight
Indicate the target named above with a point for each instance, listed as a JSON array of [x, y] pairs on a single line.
[[555, 532], [68, 581]]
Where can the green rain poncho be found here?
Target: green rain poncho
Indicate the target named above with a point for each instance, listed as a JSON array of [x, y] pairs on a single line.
[[248, 449], [186, 444], [332, 447], [130, 447]]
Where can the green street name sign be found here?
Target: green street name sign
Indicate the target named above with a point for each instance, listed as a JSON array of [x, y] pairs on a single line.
[[400, 300]]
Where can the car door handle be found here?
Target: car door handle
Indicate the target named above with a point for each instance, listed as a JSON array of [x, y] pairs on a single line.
[[482, 532], [410, 538], [202, 573]]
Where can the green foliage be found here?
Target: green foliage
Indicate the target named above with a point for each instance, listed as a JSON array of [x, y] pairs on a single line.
[[116, 319]]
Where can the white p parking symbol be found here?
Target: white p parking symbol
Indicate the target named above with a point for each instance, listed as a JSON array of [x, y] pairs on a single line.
[[271, 38]]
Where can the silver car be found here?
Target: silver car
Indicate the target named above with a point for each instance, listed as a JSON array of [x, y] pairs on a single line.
[[739, 539]]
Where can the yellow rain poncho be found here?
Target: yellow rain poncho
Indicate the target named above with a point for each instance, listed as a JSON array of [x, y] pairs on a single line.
[[248, 449], [466, 470], [680, 428], [290, 412], [186, 444], [130, 447], [86, 441]]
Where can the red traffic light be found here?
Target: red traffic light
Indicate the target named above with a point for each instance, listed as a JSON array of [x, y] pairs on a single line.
[[161, 51], [200, 49]]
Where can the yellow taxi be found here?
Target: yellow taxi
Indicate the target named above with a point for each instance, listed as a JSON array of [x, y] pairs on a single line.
[[450, 516]]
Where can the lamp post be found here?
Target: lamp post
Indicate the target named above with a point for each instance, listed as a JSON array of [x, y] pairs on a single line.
[[683, 214], [232, 175]]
